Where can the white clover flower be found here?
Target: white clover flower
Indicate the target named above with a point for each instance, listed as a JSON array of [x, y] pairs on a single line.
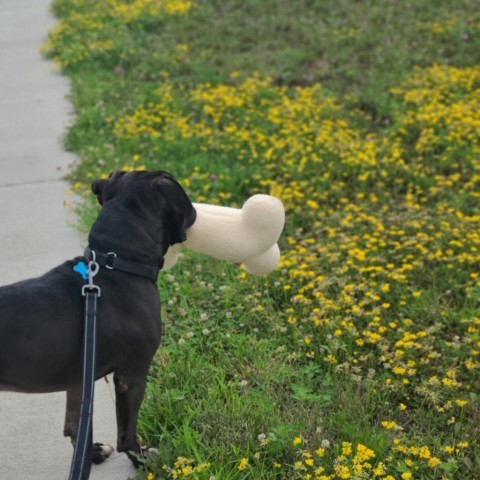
[[262, 438]]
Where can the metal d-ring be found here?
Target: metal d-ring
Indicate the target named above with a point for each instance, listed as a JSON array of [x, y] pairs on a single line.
[[113, 254]]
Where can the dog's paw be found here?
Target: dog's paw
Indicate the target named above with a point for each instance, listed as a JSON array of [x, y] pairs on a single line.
[[101, 452], [139, 455], [145, 454], [149, 453]]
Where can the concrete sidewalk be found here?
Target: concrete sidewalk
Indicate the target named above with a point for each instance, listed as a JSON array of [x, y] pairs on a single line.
[[35, 236]]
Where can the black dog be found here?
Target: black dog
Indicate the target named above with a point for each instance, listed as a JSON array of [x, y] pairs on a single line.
[[41, 320]]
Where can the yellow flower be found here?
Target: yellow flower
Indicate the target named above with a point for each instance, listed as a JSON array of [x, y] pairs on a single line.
[[320, 452], [434, 462], [342, 471], [297, 440], [346, 448], [390, 425], [187, 471], [243, 464], [379, 469], [202, 467]]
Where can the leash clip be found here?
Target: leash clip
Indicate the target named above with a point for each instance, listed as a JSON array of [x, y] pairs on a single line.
[[93, 268]]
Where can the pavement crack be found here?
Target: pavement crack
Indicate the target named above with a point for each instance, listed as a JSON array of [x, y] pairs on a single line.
[[33, 182]]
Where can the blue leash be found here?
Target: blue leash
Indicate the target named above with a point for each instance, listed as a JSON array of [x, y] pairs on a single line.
[[82, 452]]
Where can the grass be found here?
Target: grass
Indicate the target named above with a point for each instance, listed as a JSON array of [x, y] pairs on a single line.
[[359, 356]]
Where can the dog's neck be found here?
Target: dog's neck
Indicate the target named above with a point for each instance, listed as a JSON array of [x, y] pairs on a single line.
[[130, 237]]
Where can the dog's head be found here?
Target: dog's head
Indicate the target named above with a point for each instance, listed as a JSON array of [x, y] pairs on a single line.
[[153, 202]]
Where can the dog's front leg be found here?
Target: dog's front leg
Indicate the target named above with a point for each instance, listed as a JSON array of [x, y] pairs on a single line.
[[74, 399], [72, 413], [129, 392]]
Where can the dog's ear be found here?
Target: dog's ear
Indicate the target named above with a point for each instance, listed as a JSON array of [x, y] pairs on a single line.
[[98, 187], [183, 213]]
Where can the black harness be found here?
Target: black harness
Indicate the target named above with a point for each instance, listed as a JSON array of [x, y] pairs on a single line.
[[82, 452]]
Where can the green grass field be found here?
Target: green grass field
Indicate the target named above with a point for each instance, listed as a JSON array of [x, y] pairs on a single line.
[[359, 357]]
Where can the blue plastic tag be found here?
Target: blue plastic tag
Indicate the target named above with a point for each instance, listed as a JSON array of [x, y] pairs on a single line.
[[82, 269]]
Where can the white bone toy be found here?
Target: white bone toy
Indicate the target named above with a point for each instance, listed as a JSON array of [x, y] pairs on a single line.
[[248, 235]]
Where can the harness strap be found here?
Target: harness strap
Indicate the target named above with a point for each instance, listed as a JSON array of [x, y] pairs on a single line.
[[112, 262], [82, 453]]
